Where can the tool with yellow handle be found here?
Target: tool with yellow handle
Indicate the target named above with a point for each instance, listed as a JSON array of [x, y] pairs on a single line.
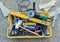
[[17, 14], [29, 23]]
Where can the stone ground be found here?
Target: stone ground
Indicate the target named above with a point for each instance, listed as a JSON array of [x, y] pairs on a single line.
[[12, 5]]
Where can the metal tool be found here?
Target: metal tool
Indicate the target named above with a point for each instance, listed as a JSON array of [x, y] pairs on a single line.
[[22, 16], [18, 24], [43, 29], [21, 32], [42, 17], [39, 28], [14, 20], [31, 12], [23, 4], [23, 8], [13, 31], [29, 23], [30, 27]]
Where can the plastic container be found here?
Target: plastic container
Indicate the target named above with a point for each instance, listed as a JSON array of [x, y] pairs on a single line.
[[18, 14]]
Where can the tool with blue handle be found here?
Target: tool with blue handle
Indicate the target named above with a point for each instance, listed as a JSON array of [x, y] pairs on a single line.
[[43, 29], [39, 27], [30, 27]]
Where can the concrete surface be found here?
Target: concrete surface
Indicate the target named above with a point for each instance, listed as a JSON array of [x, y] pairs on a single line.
[[11, 4]]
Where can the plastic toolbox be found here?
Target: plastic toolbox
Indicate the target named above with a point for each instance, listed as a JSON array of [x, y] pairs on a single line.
[[23, 16]]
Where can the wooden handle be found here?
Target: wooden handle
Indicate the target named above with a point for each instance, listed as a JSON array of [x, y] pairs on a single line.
[[29, 30]]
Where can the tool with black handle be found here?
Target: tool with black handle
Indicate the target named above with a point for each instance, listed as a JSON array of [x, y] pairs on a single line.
[[31, 12]]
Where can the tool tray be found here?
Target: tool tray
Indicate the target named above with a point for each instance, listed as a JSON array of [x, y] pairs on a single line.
[[35, 20]]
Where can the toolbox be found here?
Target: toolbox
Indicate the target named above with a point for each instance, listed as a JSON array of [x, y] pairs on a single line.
[[34, 20]]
